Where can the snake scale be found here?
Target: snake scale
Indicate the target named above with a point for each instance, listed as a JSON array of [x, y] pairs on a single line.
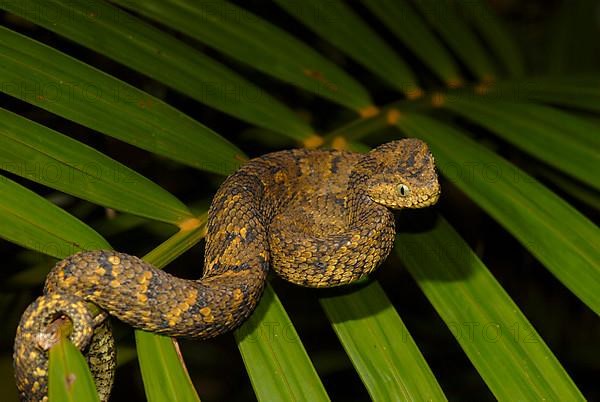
[[318, 218]]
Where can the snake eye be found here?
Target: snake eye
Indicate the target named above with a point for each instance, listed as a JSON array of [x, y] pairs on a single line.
[[403, 190]]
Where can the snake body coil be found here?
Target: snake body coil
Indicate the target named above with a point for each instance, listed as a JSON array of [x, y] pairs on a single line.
[[318, 218]]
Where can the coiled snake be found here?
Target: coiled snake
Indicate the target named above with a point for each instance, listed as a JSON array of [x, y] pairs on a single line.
[[318, 218]]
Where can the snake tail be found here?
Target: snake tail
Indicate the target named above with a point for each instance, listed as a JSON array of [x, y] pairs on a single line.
[[33, 340]]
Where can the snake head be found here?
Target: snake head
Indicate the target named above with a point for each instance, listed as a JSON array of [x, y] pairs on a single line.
[[404, 175]]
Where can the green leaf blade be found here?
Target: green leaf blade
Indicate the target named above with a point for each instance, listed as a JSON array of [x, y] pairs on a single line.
[[337, 23], [275, 358], [45, 156], [444, 18], [578, 91], [69, 378], [380, 347], [555, 137], [567, 37], [58, 233], [148, 50], [527, 209], [581, 192], [486, 22], [164, 373], [256, 42], [508, 353], [81, 93], [402, 20]]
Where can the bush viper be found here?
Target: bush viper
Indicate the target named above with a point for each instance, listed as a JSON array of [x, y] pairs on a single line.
[[318, 218]]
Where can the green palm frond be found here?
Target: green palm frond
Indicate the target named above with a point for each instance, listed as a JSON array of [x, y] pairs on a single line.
[[461, 83]]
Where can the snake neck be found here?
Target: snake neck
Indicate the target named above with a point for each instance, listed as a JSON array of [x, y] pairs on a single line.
[[358, 201]]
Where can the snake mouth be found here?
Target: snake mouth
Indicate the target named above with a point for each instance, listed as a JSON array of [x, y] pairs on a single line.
[[416, 201], [424, 204], [426, 200]]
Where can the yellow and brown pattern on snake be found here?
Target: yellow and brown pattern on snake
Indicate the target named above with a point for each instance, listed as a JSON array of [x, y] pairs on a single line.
[[318, 218]]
